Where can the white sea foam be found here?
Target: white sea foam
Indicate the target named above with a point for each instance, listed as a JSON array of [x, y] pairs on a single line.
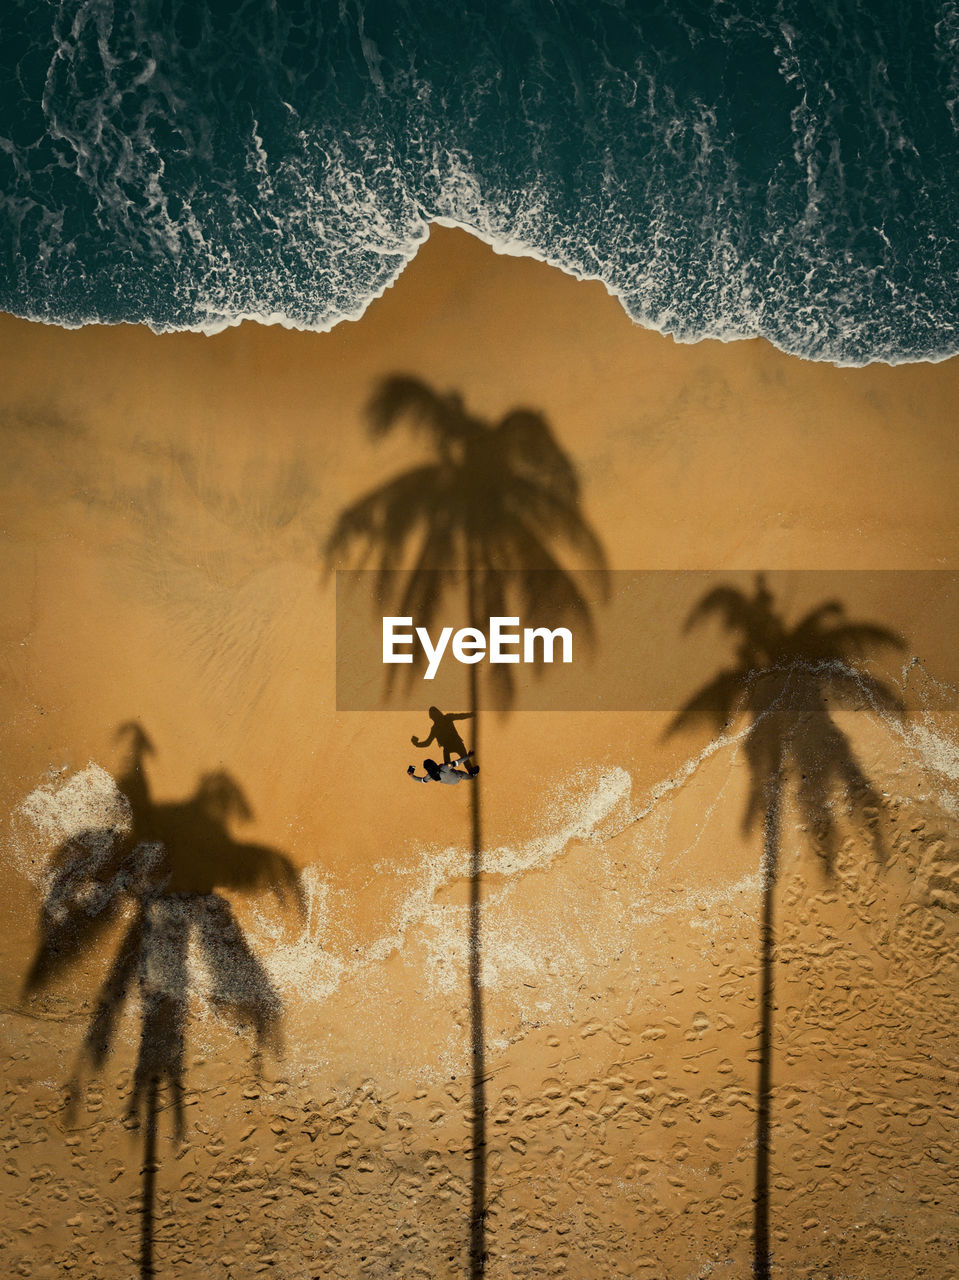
[[306, 967], [541, 933], [303, 966], [148, 182], [63, 807]]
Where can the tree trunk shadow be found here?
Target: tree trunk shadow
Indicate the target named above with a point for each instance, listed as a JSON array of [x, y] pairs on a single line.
[[477, 1022], [767, 944], [150, 1167]]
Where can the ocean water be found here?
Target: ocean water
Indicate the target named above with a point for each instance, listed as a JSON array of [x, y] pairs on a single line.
[[726, 167]]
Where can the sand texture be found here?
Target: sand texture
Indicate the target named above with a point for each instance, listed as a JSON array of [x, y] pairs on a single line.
[[236, 913]]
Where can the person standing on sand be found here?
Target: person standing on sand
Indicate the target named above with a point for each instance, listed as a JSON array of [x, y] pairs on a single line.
[[446, 772], [445, 734]]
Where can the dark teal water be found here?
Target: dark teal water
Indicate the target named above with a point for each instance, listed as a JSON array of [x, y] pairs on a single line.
[[729, 168]]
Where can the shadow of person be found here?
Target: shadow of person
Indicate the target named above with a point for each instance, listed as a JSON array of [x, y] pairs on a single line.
[[785, 684], [161, 867], [496, 502], [445, 734]]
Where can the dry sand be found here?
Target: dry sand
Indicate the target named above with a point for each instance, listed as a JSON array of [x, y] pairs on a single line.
[[164, 500]]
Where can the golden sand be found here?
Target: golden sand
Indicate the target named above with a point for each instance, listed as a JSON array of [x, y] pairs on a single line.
[[165, 500]]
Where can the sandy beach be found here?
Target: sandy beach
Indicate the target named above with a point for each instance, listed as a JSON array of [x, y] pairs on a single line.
[[166, 501]]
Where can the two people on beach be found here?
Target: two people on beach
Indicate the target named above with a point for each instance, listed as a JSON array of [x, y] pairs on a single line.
[[445, 734]]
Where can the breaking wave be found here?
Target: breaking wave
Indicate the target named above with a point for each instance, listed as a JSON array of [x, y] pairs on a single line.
[[728, 170]]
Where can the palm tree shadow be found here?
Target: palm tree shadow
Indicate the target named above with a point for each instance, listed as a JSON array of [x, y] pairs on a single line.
[[492, 503], [159, 868], [785, 683]]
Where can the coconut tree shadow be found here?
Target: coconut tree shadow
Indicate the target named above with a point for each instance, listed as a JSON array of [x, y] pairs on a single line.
[[160, 866], [785, 683], [492, 503]]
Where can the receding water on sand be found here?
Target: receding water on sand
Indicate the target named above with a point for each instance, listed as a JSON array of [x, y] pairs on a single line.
[[614, 863]]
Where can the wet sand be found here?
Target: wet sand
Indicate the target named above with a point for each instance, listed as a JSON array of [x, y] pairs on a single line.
[[165, 500]]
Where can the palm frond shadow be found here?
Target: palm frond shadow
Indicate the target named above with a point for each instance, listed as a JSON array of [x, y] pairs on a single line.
[[159, 869], [484, 517], [499, 502], [786, 683]]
